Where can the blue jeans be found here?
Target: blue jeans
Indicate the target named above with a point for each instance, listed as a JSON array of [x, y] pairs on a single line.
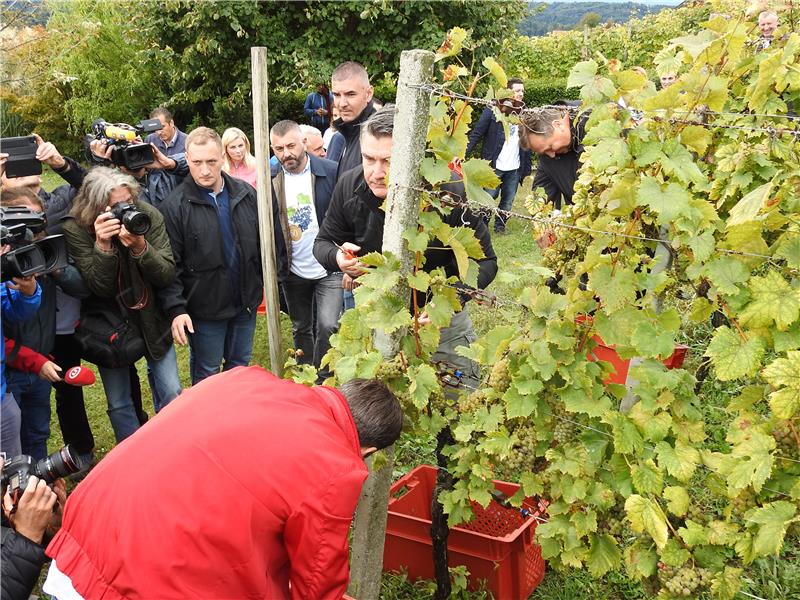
[[212, 342], [9, 426], [509, 183], [307, 298], [117, 385], [33, 397]]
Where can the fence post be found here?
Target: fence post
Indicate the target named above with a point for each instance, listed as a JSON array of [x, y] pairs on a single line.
[[258, 58], [402, 208]]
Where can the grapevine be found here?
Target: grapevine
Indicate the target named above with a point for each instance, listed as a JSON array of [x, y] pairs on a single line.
[[644, 488]]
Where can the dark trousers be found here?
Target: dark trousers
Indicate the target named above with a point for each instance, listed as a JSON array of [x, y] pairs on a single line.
[[309, 298], [70, 407]]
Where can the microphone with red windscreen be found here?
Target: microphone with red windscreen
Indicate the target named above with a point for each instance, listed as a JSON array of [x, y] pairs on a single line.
[[79, 376]]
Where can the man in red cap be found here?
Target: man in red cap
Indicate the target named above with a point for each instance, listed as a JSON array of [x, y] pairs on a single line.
[[251, 502]]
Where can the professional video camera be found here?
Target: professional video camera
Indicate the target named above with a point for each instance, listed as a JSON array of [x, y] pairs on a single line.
[[18, 225], [127, 152], [17, 470]]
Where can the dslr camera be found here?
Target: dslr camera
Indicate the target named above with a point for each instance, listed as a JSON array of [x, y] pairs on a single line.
[[18, 225], [17, 470], [126, 151], [134, 220]]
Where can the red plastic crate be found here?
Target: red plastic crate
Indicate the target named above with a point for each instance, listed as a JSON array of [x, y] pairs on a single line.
[[621, 365], [497, 546]]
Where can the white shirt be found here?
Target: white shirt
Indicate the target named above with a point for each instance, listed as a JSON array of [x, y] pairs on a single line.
[[508, 160], [303, 224]]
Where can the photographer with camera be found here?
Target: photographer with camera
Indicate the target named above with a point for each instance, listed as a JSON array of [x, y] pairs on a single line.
[[29, 522], [121, 248]]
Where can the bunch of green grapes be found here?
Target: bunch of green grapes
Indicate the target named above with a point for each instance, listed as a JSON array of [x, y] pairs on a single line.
[[743, 502], [614, 524], [475, 401], [683, 582], [389, 369], [521, 456], [563, 432], [500, 377], [787, 445], [697, 514]]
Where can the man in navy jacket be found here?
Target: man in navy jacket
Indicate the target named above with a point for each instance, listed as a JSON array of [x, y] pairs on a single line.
[[511, 163], [303, 186]]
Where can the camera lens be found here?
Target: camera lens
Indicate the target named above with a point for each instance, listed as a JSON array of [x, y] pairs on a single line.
[[138, 223], [61, 463]]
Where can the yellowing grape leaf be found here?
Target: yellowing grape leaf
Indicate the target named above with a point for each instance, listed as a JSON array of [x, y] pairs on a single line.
[[645, 516], [784, 374], [732, 356]]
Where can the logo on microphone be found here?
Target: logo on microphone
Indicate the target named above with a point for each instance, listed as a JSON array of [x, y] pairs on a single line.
[[73, 372]]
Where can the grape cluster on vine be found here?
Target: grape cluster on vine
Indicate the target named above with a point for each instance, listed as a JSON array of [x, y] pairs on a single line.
[[785, 440], [685, 581], [500, 376]]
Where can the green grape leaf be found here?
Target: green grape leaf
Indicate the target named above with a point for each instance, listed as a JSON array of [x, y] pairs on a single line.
[[788, 248], [679, 163], [547, 304], [640, 560], [603, 555], [693, 534], [652, 341], [417, 240], [627, 439], [608, 153], [668, 202], [726, 585], [673, 555], [695, 43], [726, 272], [677, 500], [773, 300], [424, 382], [497, 71], [582, 74], [680, 461], [434, 171], [772, 520], [519, 403], [784, 374], [733, 357], [646, 477], [419, 280], [645, 516], [750, 205], [696, 138], [478, 177], [616, 290]]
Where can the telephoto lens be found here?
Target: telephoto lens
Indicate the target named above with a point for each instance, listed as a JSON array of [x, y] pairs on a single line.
[[60, 463]]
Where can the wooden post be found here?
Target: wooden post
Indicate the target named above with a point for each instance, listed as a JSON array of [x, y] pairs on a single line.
[[258, 57], [402, 209]]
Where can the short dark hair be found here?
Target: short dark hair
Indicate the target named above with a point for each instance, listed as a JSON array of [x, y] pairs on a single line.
[[514, 80], [375, 410], [283, 127], [380, 124], [161, 112]]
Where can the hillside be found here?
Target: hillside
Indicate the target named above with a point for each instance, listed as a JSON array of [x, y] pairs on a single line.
[[544, 18]]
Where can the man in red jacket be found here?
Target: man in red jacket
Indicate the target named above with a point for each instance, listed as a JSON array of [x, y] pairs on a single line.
[[243, 487]]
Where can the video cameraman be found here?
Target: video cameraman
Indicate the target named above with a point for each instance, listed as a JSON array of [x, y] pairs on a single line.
[[23, 534], [123, 270], [156, 180]]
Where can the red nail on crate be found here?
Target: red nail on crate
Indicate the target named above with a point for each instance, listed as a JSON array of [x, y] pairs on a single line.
[[497, 546]]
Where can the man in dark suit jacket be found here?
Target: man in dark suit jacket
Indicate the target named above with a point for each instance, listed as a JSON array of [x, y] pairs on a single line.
[[511, 163], [303, 186]]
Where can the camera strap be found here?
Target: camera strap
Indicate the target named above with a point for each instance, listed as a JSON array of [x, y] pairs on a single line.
[[145, 296]]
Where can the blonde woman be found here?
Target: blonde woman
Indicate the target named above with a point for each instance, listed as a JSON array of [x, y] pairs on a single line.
[[238, 161]]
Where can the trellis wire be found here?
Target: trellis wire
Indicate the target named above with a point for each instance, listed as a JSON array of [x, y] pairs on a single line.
[[487, 210]]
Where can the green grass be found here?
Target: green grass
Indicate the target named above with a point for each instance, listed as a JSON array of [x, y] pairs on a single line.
[[773, 579]]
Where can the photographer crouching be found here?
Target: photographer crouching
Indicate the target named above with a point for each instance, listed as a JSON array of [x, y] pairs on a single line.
[[30, 518], [121, 248]]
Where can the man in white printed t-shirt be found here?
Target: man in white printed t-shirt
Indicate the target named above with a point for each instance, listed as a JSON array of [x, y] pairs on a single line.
[[303, 186]]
